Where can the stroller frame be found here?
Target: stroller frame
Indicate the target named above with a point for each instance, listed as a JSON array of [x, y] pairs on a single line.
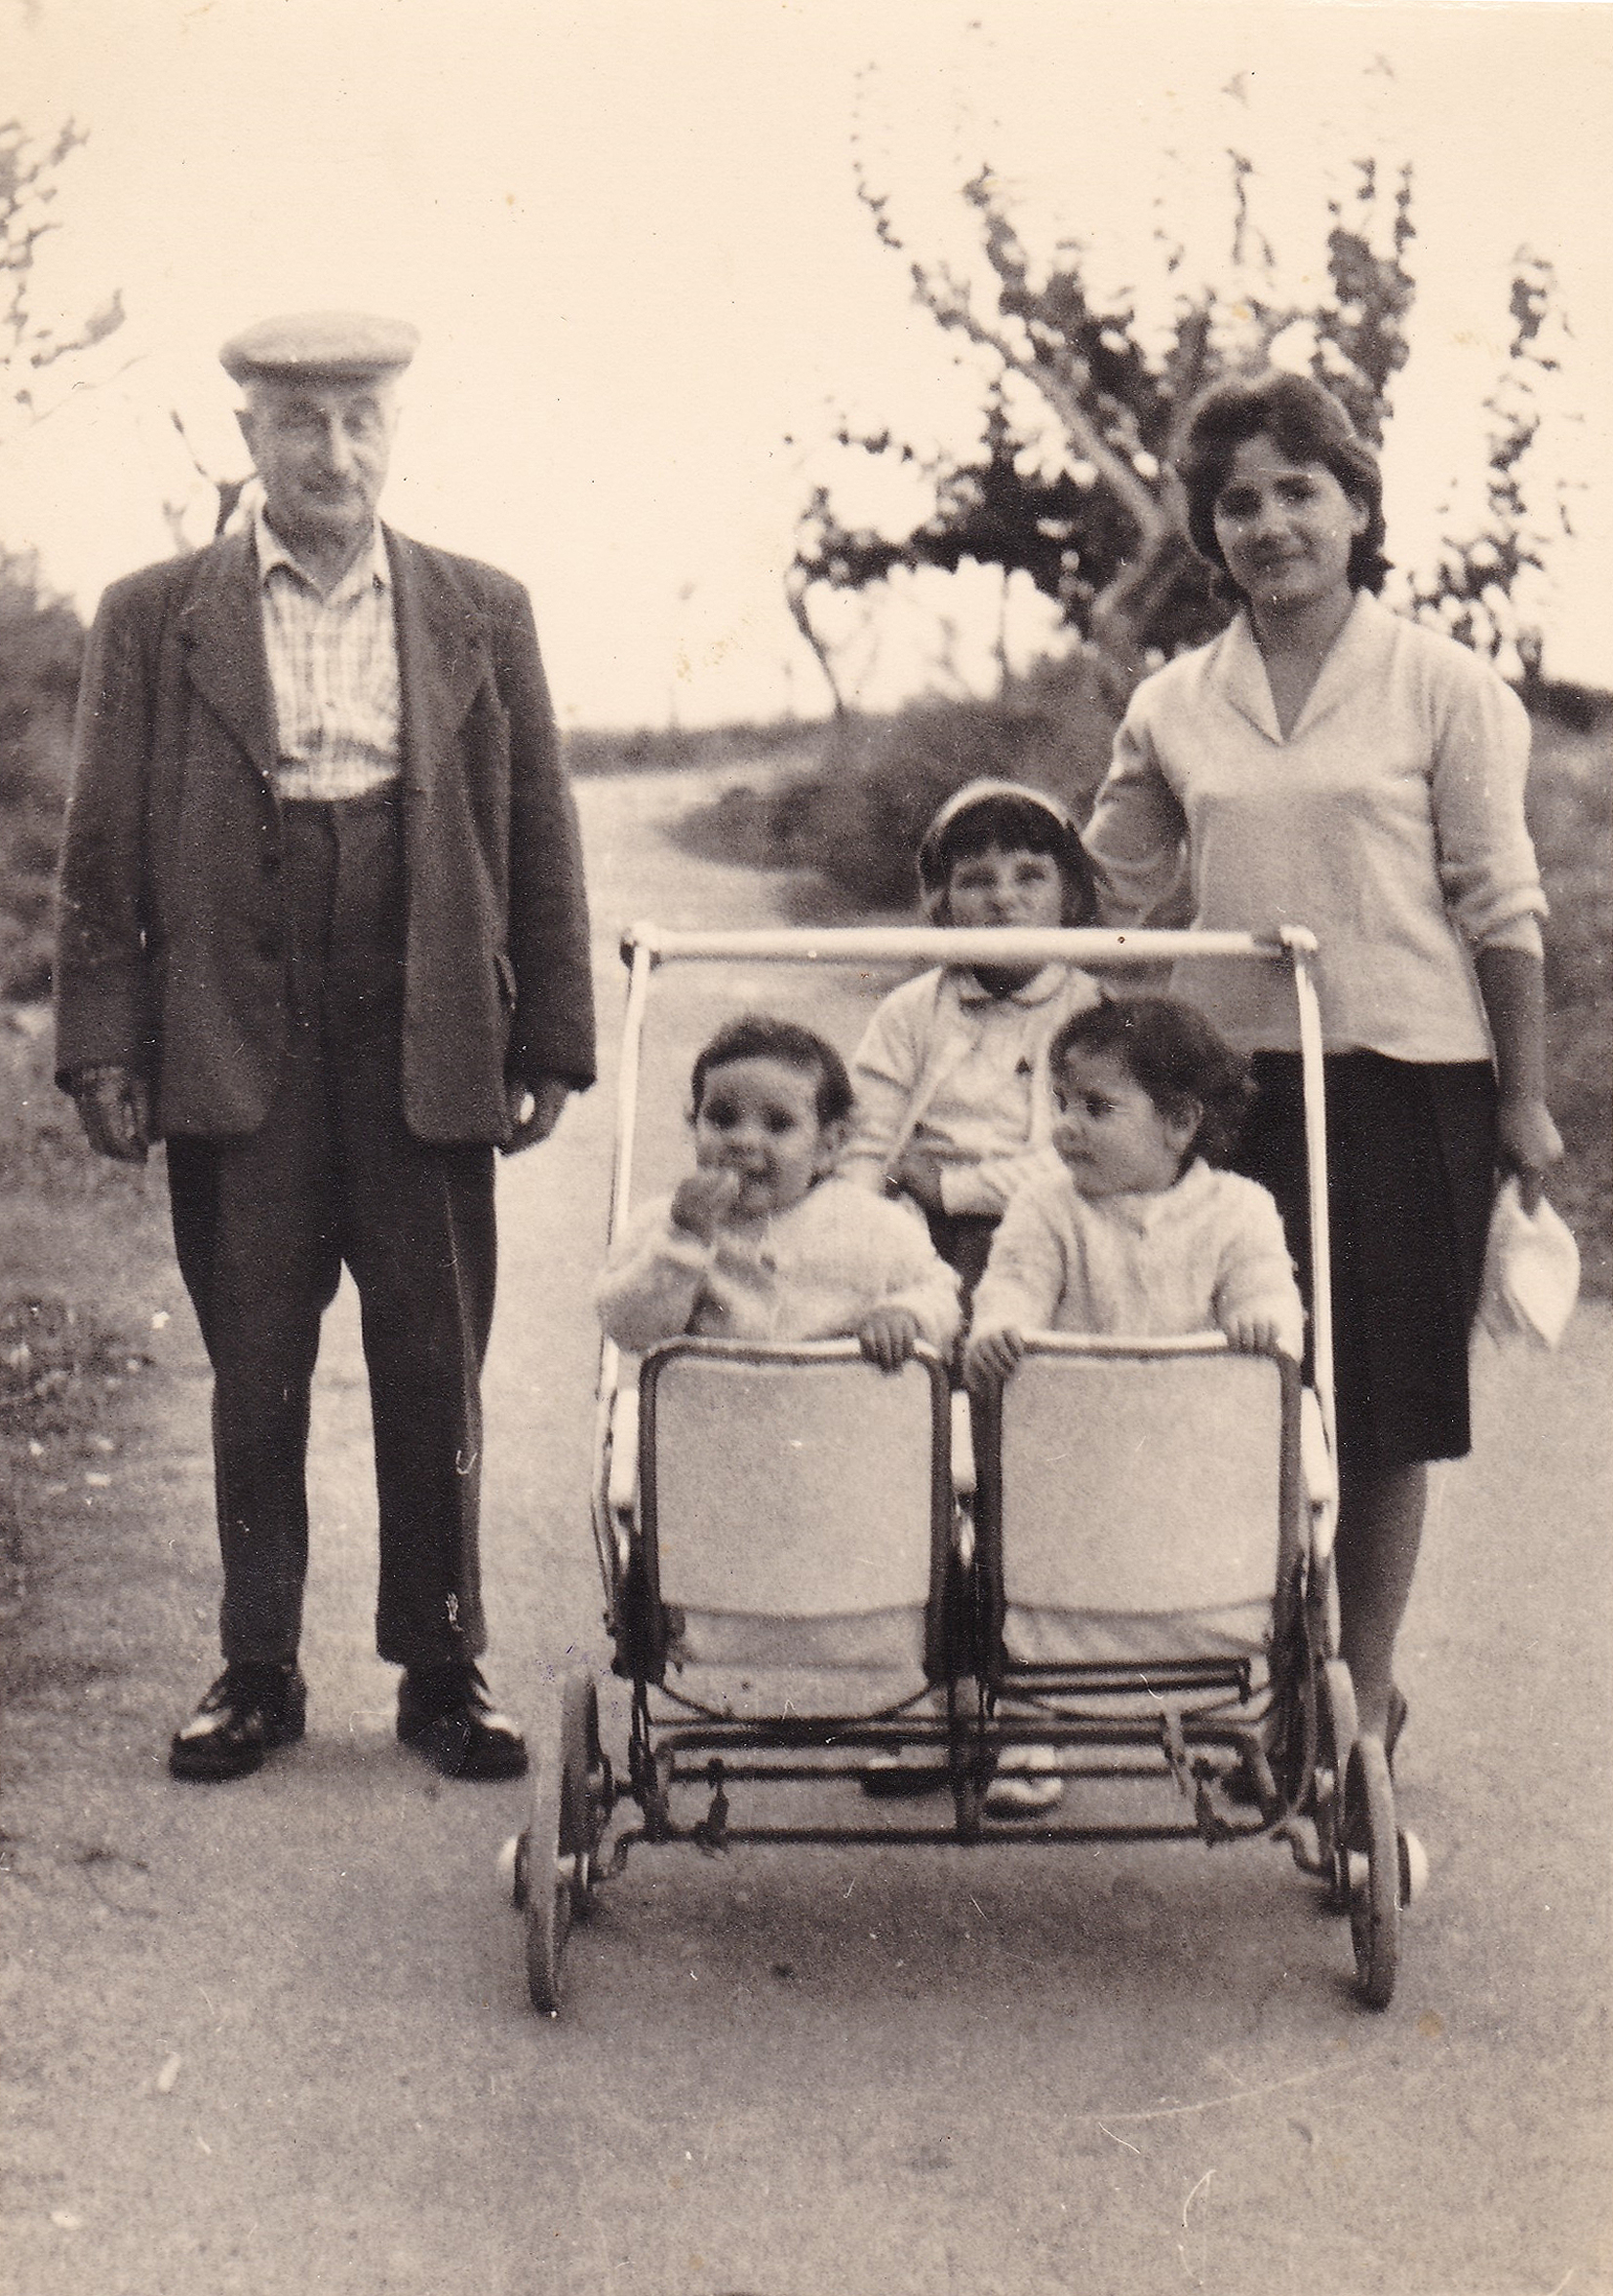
[[1291, 1742]]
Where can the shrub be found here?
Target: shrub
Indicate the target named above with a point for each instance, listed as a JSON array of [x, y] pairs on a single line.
[[593, 751], [856, 815], [1571, 816], [41, 646]]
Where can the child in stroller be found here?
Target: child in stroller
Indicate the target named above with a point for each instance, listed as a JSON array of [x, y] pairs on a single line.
[[763, 1240], [1128, 1225]]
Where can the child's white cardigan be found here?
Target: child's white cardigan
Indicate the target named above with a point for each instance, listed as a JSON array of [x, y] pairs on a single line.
[[971, 1069], [1185, 1260], [811, 1272]]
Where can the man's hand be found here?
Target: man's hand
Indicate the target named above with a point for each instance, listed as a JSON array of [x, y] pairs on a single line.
[[534, 1107], [114, 1107], [919, 1175], [704, 1200], [889, 1335]]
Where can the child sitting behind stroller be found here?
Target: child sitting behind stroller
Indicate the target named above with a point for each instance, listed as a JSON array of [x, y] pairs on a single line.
[[951, 1075]]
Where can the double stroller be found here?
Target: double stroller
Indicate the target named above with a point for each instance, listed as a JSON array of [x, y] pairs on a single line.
[[800, 1579]]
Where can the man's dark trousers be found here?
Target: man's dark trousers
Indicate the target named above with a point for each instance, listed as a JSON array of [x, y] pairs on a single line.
[[262, 1225]]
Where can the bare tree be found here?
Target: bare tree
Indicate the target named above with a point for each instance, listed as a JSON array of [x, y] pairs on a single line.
[[29, 347]]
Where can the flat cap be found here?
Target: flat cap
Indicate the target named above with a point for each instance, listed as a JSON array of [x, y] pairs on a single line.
[[334, 346]]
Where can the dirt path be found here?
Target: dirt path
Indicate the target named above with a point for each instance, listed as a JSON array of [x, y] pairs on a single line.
[[274, 2037]]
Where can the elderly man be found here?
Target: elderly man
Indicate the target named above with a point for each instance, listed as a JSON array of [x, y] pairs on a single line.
[[322, 931]]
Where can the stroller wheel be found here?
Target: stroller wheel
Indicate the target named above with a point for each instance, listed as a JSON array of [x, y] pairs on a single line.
[[1335, 1737], [562, 1833], [1375, 1899], [512, 1869], [548, 1907], [968, 1803], [586, 1788]]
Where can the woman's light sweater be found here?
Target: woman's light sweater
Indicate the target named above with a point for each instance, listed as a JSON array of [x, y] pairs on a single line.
[[1188, 1259], [811, 1272], [1390, 820]]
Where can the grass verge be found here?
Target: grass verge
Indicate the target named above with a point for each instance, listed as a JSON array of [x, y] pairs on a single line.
[[79, 1233]]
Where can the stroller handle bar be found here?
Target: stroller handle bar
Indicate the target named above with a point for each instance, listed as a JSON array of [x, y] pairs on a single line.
[[957, 944]]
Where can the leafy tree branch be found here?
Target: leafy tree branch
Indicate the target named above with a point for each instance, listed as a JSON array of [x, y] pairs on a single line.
[[1083, 406]]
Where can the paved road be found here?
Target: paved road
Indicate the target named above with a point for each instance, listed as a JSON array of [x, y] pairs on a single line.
[[274, 2037]]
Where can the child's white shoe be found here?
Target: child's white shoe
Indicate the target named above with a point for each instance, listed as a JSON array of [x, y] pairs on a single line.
[[1027, 1783]]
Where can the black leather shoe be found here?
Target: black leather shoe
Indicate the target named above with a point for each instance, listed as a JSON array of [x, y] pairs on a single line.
[[250, 1710], [446, 1715]]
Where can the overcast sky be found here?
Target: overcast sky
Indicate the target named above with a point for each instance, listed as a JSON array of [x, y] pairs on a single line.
[[629, 233]]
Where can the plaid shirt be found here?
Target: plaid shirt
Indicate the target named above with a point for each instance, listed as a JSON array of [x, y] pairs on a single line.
[[333, 670]]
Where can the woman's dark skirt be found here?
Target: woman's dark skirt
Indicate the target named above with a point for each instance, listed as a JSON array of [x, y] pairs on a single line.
[[1410, 1182]]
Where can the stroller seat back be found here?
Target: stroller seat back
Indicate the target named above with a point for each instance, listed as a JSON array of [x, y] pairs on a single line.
[[1140, 1504], [795, 1503]]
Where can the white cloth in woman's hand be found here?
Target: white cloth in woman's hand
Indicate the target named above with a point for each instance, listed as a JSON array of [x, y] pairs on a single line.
[[1531, 1271]]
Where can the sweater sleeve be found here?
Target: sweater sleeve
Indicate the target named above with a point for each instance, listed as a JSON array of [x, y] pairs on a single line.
[[922, 1281], [105, 999], [1255, 1276], [1025, 1276], [552, 1028], [885, 1075], [1488, 869], [653, 1280], [1136, 837]]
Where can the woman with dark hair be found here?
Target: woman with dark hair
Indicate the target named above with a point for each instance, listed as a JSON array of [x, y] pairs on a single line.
[[1325, 762]]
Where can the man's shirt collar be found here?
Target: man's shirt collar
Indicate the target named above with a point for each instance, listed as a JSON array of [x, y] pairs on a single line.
[[370, 566]]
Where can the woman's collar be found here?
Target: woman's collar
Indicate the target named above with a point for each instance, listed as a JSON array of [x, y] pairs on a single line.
[[1240, 668]]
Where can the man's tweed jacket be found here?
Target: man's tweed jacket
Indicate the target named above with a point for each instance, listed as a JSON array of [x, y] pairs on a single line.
[[172, 955]]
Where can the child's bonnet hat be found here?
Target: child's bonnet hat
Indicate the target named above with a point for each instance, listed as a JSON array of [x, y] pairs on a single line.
[[1531, 1271], [934, 862]]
